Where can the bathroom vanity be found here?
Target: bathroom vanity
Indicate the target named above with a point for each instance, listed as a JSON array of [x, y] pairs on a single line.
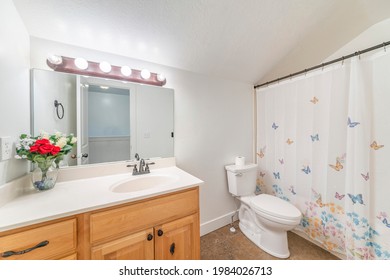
[[90, 218]]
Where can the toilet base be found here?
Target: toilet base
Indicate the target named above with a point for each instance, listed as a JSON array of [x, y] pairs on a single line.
[[274, 243]]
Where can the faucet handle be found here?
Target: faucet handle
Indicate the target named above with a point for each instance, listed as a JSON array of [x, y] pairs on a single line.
[[136, 156], [133, 165], [147, 166]]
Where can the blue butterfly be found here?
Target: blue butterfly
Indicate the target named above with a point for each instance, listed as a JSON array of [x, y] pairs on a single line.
[[277, 175], [291, 188], [315, 137], [386, 222], [352, 124], [306, 169], [274, 126], [356, 198]]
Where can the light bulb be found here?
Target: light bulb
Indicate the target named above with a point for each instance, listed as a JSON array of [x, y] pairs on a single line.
[[105, 66], [81, 63], [126, 71], [161, 77], [54, 59], [145, 74]]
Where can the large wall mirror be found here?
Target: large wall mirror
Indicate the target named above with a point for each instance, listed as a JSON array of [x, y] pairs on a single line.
[[112, 120]]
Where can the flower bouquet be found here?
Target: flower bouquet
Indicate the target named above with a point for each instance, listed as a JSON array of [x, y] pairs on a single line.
[[46, 151]]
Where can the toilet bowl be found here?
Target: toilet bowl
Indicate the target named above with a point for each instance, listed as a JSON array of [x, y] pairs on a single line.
[[264, 219]]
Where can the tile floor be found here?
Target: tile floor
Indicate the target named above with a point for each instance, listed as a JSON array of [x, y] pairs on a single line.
[[224, 245]]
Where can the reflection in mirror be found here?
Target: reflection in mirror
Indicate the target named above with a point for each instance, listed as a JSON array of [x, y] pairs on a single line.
[[112, 120]]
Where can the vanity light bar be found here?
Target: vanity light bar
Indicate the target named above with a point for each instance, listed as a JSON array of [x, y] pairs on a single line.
[[103, 70]]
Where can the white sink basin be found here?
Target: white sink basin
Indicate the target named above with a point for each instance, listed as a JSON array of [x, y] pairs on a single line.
[[143, 182]]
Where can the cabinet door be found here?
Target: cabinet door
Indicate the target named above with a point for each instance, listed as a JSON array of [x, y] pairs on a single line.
[[137, 246], [178, 240]]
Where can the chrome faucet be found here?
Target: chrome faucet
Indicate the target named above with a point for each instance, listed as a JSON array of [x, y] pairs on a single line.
[[143, 167]]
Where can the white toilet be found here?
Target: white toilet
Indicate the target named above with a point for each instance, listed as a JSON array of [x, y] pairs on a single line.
[[264, 219]]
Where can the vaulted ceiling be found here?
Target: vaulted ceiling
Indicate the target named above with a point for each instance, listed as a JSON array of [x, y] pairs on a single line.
[[248, 40]]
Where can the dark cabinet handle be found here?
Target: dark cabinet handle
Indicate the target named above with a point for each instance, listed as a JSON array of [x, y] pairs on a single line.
[[150, 237], [160, 232], [11, 253], [172, 248]]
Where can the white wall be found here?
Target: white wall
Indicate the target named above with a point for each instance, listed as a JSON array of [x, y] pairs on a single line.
[[374, 35], [14, 85], [49, 86], [154, 122], [213, 124]]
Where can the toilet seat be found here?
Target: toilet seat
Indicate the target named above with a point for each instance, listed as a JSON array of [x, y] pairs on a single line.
[[274, 208]]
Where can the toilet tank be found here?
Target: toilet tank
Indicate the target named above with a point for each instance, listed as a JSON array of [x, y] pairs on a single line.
[[241, 179]]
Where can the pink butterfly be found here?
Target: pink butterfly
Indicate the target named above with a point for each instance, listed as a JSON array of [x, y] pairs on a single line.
[[281, 161], [366, 177], [262, 174], [339, 196], [381, 215]]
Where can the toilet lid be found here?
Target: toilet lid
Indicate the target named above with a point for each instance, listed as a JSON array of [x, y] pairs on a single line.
[[275, 206]]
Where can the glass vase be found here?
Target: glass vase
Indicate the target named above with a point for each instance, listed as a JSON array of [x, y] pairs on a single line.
[[44, 175]]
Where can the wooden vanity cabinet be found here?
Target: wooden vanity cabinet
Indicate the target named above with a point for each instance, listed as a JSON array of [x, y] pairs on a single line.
[[162, 227], [165, 227]]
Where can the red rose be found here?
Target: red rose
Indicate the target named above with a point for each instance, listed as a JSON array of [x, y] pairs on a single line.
[[55, 150], [34, 148], [45, 149], [42, 142]]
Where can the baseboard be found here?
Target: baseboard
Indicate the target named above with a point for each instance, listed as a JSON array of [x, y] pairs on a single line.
[[303, 235], [217, 223]]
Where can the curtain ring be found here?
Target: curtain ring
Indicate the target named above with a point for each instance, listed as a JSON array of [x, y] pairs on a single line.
[[305, 72], [57, 105], [322, 66], [342, 62], [357, 54], [384, 46]]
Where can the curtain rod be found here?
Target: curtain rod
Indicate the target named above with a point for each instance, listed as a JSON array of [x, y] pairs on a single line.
[[383, 45]]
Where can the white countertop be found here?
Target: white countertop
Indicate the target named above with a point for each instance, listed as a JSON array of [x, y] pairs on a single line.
[[82, 195]]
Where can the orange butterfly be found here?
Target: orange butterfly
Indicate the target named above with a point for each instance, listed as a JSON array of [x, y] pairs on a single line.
[[375, 146], [314, 100], [338, 165], [261, 153], [289, 141], [319, 202]]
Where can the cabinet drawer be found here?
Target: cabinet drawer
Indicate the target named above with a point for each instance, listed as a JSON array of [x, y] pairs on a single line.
[[131, 218], [61, 239]]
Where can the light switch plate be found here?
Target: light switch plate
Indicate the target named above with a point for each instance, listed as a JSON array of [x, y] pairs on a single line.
[[5, 148]]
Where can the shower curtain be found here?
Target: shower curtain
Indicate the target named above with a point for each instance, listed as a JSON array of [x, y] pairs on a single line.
[[323, 144]]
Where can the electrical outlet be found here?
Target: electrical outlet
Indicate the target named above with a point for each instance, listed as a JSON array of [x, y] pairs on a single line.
[[5, 148]]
